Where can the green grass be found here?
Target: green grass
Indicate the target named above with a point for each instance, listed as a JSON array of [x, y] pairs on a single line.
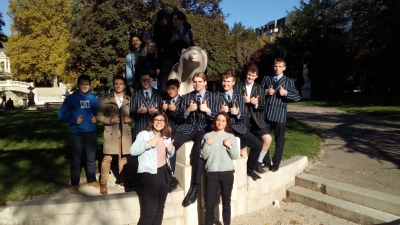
[[34, 147], [386, 106], [33, 154], [300, 139]]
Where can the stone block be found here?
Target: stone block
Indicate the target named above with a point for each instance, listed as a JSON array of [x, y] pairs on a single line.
[[183, 153]]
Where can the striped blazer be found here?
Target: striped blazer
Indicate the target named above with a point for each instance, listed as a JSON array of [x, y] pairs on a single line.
[[198, 120], [175, 118], [251, 111], [237, 123], [137, 99], [276, 107]]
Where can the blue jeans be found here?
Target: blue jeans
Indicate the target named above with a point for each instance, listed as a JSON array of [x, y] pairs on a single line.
[[83, 143]]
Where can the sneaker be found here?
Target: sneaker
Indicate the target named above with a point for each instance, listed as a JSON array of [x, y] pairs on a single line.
[[94, 184], [103, 189], [74, 190]]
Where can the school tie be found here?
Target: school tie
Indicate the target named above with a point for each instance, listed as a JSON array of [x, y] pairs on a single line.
[[147, 97], [275, 79], [229, 98]]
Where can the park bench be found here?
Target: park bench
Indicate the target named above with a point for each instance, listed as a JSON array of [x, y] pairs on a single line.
[[48, 104]]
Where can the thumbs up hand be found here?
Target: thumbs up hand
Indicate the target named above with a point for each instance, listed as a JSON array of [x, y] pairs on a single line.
[[142, 109], [234, 110], [169, 147], [246, 98], [152, 110], [224, 108], [172, 107], [164, 106], [254, 100], [270, 90], [204, 107], [79, 120], [209, 140], [153, 142], [282, 91], [192, 107]]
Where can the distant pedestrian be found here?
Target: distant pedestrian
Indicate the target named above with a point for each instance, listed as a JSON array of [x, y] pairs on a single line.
[[10, 104], [79, 110], [3, 98]]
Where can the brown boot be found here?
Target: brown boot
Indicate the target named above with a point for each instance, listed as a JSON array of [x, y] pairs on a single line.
[[103, 189]]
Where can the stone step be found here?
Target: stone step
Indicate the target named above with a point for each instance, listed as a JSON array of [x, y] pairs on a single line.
[[373, 199], [338, 207], [121, 208]]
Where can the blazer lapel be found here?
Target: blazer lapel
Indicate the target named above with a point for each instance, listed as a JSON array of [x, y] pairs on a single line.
[[143, 99]]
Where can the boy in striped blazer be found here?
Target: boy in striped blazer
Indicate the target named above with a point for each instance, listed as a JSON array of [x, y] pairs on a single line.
[[199, 110], [144, 102], [232, 103], [253, 96], [279, 90]]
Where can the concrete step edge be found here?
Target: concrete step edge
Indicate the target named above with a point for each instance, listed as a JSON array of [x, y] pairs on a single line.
[[340, 208], [370, 198]]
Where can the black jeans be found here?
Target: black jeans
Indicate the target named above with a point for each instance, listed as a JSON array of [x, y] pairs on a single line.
[[155, 191], [279, 130], [213, 180]]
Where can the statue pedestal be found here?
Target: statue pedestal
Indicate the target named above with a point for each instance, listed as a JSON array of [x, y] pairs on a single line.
[[306, 92]]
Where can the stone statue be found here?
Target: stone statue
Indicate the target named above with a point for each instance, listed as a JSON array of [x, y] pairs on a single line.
[[307, 82], [192, 60]]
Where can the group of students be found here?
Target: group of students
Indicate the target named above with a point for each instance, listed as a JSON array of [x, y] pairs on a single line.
[[246, 110], [159, 52]]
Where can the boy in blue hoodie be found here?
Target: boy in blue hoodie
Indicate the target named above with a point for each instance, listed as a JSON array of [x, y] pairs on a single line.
[[79, 110]]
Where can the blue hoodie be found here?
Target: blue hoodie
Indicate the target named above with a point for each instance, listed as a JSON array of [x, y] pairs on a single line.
[[76, 105]]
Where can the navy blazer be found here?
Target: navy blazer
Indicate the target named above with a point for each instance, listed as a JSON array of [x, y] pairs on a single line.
[[276, 106], [137, 99], [197, 119], [175, 118], [237, 122]]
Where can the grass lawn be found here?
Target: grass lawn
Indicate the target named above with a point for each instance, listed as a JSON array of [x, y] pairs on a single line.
[[34, 147], [387, 106]]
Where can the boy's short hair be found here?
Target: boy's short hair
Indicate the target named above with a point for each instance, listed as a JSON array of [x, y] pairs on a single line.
[[179, 15], [228, 74], [174, 82], [280, 60], [84, 77], [144, 73], [253, 69], [201, 75], [119, 77]]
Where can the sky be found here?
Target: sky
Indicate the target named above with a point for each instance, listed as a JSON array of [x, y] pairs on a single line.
[[252, 13]]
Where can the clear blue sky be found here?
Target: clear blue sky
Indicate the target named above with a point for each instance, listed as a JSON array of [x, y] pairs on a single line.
[[252, 13]]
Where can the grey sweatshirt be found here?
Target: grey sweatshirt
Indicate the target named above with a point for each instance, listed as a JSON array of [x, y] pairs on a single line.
[[219, 158]]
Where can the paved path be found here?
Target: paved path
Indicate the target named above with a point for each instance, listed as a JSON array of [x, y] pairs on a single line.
[[359, 150]]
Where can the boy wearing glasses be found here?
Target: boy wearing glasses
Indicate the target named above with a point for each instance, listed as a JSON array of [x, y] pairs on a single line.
[[144, 103]]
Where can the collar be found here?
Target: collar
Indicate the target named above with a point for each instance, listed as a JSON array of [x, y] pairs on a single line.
[[279, 76]]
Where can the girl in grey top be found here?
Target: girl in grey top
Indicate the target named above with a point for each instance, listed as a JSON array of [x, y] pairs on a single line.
[[219, 148]]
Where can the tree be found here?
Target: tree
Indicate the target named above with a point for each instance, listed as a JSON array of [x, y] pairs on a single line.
[[37, 46], [3, 37], [375, 34]]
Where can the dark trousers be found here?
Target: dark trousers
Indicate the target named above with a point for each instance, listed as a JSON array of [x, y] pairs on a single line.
[[195, 160], [155, 191], [83, 143], [213, 180], [250, 140], [279, 131]]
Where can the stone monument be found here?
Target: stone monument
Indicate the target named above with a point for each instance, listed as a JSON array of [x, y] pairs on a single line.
[[306, 89], [31, 99], [192, 60]]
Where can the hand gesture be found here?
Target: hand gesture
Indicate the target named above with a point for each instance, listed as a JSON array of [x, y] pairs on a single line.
[[115, 119], [164, 106], [152, 110], [224, 108], [169, 147], [153, 142], [192, 107], [271, 90], [234, 110], [282, 91], [142, 109], [227, 142], [127, 119], [186, 37], [254, 100], [175, 37], [172, 107], [209, 140], [204, 107], [246, 98], [79, 120], [158, 72]]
